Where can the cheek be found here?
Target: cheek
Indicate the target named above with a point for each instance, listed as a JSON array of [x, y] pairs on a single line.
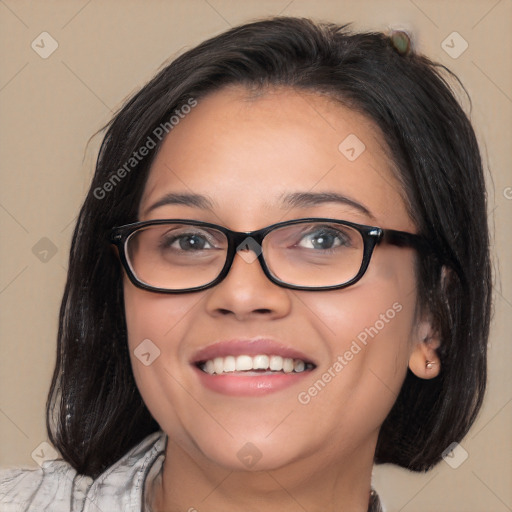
[[153, 322], [367, 332], [154, 316], [383, 307], [378, 315]]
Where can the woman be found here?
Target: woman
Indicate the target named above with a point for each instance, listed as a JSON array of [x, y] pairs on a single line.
[[280, 276]]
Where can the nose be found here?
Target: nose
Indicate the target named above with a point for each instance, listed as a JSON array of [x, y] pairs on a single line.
[[247, 293]]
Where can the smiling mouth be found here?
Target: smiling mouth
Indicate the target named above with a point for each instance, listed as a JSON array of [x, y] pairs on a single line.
[[258, 365]]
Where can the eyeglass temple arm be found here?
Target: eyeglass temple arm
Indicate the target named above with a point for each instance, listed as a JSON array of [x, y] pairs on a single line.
[[403, 239]]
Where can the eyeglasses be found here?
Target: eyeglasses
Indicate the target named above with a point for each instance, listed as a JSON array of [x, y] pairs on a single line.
[[180, 256]]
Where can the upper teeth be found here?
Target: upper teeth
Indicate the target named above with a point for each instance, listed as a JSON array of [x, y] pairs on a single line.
[[259, 362]]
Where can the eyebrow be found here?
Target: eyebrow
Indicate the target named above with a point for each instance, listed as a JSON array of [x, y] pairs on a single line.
[[192, 200], [308, 199], [293, 200]]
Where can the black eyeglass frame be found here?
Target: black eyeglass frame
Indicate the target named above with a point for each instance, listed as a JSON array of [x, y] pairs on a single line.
[[372, 236]]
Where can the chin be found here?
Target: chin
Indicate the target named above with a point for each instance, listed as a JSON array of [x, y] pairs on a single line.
[[251, 456], [252, 451]]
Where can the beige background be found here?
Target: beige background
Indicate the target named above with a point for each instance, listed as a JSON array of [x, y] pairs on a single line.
[[106, 50]]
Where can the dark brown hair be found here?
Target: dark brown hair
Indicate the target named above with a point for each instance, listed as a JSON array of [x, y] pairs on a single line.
[[95, 412]]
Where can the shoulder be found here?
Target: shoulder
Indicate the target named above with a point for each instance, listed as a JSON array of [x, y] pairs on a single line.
[[58, 487], [36, 489]]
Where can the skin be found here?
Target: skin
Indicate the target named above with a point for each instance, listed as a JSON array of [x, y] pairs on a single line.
[[244, 152]]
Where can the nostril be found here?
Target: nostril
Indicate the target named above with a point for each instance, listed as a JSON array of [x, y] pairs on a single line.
[[224, 311]]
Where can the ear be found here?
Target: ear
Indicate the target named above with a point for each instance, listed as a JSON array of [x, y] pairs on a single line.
[[424, 361]]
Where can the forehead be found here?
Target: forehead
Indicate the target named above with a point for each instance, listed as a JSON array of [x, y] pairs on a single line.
[[247, 152]]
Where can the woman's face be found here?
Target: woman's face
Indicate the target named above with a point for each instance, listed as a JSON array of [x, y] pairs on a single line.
[[245, 156]]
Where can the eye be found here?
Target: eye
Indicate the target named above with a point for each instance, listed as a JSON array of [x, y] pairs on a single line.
[[324, 238], [186, 242]]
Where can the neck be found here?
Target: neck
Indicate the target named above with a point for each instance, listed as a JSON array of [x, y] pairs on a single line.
[[314, 484]]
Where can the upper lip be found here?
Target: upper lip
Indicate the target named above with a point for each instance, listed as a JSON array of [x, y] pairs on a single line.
[[250, 347]]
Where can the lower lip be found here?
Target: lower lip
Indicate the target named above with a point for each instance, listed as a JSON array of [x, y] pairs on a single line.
[[239, 384]]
